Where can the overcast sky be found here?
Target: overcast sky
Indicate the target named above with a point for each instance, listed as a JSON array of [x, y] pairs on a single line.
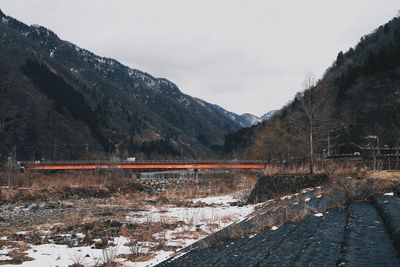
[[247, 56]]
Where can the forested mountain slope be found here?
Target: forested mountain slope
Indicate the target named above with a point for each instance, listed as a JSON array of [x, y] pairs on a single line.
[[59, 101], [359, 96]]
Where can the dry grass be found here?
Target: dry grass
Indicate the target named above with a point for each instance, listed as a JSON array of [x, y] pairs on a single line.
[[144, 232], [362, 187], [65, 179], [108, 257], [31, 186], [109, 264], [285, 169], [383, 175], [137, 257], [210, 185], [18, 252], [340, 170], [190, 191], [37, 186], [196, 234], [281, 211], [72, 217], [137, 252]]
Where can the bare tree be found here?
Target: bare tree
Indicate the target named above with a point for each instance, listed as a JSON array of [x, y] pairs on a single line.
[[396, 137], [311, 114]]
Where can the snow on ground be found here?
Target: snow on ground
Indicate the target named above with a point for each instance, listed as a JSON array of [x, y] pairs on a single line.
[[61, 255], [3, 254], [219, 215], [212, 214], [223, 200], [223, 214]]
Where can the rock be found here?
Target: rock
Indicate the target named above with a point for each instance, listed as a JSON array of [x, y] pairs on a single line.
[[116, 224], [33, 207], [68, 240], [88, 239], [98, 243], [137, 186], [51, 205], [105, 213], [101, 243], [66, 204], [59, 240], [89, 226], [162, 200]]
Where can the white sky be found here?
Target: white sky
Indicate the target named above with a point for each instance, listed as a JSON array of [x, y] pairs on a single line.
[[247, 56]]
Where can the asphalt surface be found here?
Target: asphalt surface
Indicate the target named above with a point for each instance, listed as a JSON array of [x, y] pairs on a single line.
[[363, 234]]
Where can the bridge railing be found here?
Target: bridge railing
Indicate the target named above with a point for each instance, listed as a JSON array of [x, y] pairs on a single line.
[[119, 162]]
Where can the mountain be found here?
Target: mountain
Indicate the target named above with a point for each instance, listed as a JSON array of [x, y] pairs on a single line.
[[358, 98], [267, 116], [245, 120], [248, 119], [60, 101]]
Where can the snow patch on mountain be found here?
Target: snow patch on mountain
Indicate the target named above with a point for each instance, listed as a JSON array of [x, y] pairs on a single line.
[[250, 118], [243, 121], [267, 116]]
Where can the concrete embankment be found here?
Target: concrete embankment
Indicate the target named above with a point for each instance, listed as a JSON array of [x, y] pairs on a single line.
[[348, 223]]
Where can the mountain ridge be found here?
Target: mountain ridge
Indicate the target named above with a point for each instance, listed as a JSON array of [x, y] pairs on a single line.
[[360, 98], [128, 111]]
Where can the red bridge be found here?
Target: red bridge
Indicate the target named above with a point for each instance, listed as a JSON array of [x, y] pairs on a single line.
[[142, 165]]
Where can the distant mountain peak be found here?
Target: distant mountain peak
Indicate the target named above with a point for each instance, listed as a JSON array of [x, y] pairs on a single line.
[[250, 118], [2, 14], [268, 115]]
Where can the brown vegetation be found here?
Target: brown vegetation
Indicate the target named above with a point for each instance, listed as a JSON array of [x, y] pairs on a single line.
[[17, 252], [40, 186]]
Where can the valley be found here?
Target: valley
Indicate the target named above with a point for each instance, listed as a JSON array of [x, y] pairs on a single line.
[[105, 165]]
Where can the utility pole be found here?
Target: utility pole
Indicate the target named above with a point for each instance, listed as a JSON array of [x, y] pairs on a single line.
[[377, 143], [329, 143], [397, 153], [375, 149], [9, 171], [11, 159], [87, 151]]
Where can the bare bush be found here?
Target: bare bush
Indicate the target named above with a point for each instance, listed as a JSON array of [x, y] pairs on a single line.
[[108, 257]]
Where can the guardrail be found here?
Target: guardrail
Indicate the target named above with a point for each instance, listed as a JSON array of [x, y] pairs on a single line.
[[201, 161], [143, 165]]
